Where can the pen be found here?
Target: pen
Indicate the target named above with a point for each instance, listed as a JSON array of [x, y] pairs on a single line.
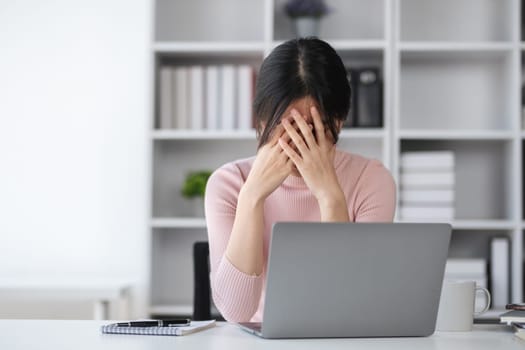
[[156, 323]]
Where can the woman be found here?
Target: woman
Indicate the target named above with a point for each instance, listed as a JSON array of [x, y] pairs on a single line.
[[302, 99]]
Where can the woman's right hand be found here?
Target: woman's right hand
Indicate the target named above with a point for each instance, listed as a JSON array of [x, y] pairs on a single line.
[[270, 168]]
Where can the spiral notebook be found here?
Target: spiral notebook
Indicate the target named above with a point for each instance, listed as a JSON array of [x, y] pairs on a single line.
[[195, 326]]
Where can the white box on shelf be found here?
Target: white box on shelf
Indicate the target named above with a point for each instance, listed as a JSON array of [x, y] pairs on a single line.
[[466, 266], [443, 196], [431, 180], [427, 160]]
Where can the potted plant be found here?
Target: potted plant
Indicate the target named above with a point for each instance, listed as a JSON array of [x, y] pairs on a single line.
[[193, 189], [306, 15]]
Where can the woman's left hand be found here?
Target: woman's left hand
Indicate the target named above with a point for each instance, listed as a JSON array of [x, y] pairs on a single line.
[[315, 157]]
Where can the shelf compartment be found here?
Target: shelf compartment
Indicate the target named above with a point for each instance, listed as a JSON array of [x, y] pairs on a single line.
[[370, 148], [349, 19], [204, 20], [173, 159], [482, 168], [457, 91], [444, 20], [474, 243], [172, 265]]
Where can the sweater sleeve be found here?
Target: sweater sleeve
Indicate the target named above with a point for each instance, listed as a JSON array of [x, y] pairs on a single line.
[[235, 293], [376, 194]]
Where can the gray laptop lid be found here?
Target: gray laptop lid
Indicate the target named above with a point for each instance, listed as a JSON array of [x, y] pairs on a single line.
[[354, 280]]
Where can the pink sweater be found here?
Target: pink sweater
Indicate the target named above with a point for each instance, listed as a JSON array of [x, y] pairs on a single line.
[[370, 194]]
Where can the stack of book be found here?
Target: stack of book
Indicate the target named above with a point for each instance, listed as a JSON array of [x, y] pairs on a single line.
[[427, 186], [468, 269], [215, 97], [515, 319]]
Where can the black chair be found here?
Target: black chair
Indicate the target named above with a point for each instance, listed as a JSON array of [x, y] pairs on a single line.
[[201, 289]]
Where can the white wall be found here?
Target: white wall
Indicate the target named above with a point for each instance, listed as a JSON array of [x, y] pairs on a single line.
[[74, 103]]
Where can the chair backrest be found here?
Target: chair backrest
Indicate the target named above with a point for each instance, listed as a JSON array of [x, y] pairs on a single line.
[[201, 289]]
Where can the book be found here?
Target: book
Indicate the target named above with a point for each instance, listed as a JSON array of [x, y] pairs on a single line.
[[519, 329], [431, 180], [512, 316], [466, 267], [520, 335], [427, 160], [244, 97], [181, 98], [423, 214], [499, 271], [195, 326], [166, 98], [422, 196], [227, 97], [212, 97], [196, 98]]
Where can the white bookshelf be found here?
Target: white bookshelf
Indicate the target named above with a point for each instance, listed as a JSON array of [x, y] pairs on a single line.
[[451, 81]]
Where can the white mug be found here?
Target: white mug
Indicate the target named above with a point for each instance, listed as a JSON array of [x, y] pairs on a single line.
[[456, 306]]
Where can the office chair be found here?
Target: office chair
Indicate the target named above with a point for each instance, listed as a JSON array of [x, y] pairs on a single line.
[[201, 289]]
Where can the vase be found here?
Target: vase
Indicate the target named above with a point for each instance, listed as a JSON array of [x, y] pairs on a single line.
[[306, 26]]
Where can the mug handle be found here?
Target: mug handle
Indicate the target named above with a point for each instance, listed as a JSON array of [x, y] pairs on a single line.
[[487, 295]]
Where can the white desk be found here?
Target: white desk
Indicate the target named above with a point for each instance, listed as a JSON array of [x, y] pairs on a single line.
[[80, 335]]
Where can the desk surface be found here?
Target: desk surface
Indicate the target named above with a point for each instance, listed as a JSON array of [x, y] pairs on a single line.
[[80, 335]]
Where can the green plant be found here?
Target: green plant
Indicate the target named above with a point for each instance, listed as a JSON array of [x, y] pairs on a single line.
[[195, 183]]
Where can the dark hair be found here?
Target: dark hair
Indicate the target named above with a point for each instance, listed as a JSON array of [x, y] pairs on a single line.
[[305, 67]]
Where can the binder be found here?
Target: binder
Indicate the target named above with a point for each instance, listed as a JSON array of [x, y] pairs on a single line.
[[369, 101]]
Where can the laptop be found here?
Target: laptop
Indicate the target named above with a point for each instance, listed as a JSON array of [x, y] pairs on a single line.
[[344, 280]]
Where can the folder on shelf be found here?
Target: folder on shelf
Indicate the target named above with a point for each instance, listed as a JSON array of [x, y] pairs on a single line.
[[244, 97], [228, 97], [181, 97], [499, 271], [195, 326], [196, 97], [212, 97], [165, 98]]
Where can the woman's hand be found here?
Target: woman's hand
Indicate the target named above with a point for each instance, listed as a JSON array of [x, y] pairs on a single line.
[[270, 168], [313, 157]]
